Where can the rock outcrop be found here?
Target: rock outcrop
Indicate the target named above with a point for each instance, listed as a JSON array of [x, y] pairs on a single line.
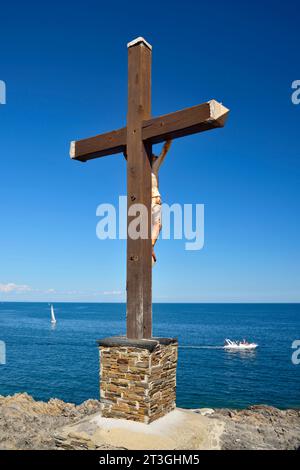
[[259, 427], [29, 424]]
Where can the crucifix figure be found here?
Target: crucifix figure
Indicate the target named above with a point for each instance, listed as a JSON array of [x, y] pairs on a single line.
[[155, 196], [135, 141], [156, 203]]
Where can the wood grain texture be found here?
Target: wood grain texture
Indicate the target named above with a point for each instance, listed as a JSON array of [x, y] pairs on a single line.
[[139, 266], [188, 121], [99, 145], [136, 140]]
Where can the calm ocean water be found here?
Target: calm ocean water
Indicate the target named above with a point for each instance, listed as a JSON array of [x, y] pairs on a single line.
[[63, 362]]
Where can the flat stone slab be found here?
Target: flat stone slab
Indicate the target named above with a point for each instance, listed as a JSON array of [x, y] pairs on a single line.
[[180, 429], [122, 341]]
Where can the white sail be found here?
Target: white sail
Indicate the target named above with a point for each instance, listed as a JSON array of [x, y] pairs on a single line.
[[53, 319]]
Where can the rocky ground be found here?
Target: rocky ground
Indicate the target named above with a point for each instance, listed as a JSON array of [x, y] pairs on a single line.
[[28, 424], [259, 427]]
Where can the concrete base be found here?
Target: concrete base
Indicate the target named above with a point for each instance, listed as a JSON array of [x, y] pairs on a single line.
[[180, 429]]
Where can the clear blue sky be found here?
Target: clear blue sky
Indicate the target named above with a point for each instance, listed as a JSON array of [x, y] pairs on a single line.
[[65, 66]]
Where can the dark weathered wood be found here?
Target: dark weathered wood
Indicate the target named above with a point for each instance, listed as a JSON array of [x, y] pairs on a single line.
[[185, 122], [188, 121], [99, 145], [139, 269], [136, 140]]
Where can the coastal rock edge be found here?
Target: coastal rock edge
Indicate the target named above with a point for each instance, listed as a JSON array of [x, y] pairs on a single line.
[[29, 424]]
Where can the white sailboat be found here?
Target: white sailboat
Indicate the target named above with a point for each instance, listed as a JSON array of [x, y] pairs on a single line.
[[53, 319]]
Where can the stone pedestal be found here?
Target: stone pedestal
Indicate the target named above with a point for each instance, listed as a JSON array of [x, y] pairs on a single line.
[[137, 378]]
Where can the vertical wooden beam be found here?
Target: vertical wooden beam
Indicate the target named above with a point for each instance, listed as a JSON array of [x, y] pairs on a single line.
[[139, 260]]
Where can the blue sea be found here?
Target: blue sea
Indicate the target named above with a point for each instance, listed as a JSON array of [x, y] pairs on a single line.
[[62, 362]]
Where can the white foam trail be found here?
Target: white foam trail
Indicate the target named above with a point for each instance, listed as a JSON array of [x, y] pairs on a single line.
[[201, 347]]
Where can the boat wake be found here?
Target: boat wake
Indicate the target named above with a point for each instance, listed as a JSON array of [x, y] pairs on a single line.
[[201, 347], [228, 346]]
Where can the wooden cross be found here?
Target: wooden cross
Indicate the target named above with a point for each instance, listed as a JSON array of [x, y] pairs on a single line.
[[136, 140]]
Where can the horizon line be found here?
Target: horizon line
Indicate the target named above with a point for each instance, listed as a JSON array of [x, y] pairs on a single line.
[[255, 302]]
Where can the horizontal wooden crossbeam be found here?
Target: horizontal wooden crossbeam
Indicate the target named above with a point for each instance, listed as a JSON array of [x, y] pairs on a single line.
[[188, 121], [99, 145]]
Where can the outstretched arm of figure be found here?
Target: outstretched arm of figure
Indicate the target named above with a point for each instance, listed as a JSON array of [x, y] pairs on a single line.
[[164, 152]]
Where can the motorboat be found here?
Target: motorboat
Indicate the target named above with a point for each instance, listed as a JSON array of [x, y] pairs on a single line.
[[239, 345]]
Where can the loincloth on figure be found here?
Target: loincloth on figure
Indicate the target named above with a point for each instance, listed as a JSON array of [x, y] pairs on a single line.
[[156, 212]]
